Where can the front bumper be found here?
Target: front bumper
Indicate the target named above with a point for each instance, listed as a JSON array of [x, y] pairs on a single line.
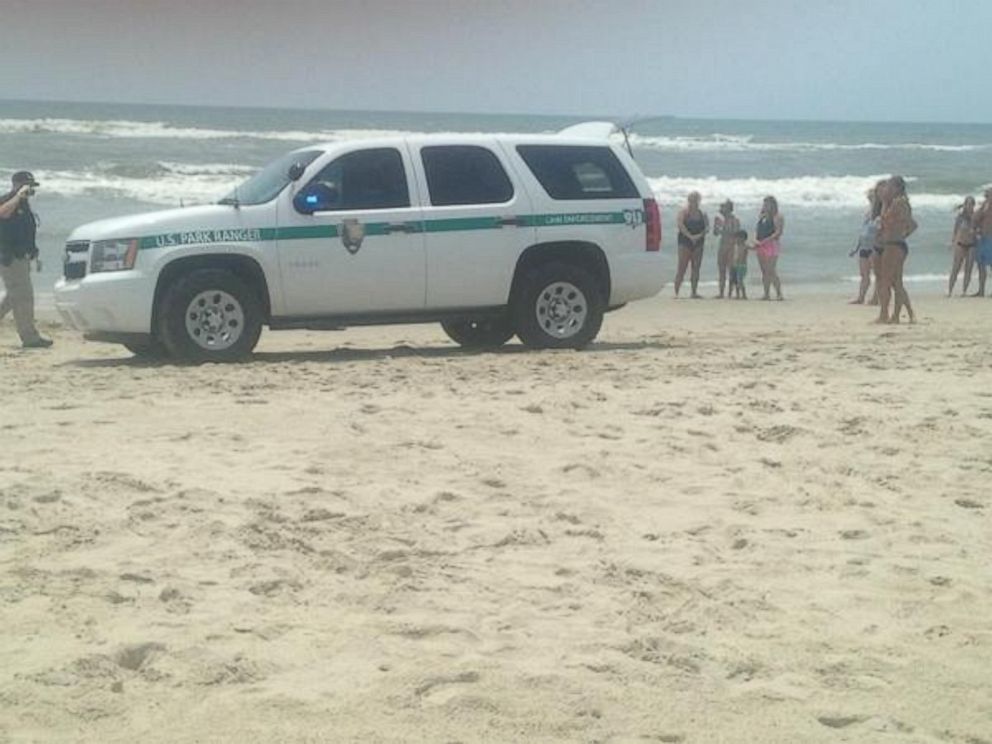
[[110, 303]]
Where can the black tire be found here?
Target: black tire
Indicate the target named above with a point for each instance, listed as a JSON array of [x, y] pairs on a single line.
[[224, 300], [558, 306], [479, 333], [151, 349]]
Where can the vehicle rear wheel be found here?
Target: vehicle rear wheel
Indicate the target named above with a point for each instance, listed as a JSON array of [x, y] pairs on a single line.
[[558, 306], [210, 315], [479, 333]]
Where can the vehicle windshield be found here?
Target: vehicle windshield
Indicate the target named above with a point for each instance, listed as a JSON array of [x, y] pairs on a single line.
[[272, 179]]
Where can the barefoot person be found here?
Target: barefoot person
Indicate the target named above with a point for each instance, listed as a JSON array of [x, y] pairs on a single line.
[[726, 226], [865, 249], [876, 258], [693, 225], [897, 224], [767, 247], [963, 245], [982, 223], [738, 269]]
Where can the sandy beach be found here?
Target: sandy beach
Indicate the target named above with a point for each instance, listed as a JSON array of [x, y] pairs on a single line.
[[724, 522]]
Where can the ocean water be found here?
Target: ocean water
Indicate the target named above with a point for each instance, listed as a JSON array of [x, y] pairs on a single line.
[[103, 160]]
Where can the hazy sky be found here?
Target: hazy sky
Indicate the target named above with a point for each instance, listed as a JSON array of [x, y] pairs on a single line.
[[838, 59]]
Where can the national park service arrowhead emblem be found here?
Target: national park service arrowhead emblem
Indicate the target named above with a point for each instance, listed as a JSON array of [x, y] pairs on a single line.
[[352, 235]]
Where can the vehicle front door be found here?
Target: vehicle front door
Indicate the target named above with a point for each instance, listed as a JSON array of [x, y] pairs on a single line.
[[351, 237]]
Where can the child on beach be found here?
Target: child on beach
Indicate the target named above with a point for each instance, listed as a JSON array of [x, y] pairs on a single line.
[[738, 269]]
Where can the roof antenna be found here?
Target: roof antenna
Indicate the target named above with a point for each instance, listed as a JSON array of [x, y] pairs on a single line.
[[626, 141], [626, 128]]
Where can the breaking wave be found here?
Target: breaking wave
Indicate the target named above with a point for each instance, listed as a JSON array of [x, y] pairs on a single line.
[[162, 183], [124, 129], [745, 143], [169, 183], [715, 143], [823, 192]]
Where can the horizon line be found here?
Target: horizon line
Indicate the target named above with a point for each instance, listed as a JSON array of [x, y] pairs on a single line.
[[583, 117]]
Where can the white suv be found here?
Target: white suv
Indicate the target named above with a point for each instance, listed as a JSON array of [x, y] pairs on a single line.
[[533, 235]]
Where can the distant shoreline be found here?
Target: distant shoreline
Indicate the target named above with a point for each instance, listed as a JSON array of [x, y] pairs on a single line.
[[551, 116]]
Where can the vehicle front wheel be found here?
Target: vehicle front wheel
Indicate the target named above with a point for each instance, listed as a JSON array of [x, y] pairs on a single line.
[[479, 333], [210, 315], [558, 306]]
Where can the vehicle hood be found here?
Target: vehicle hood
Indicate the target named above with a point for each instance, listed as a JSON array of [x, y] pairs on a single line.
[[211, 216]]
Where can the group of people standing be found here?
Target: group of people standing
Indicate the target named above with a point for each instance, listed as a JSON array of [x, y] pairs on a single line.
[[971, 244], [693, 228], [882, 248]]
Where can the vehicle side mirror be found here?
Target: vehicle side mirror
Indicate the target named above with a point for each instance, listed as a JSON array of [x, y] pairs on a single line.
[[296, 171], [317, 197]]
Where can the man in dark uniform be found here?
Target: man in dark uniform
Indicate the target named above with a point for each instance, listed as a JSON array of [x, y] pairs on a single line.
[[18, 249]]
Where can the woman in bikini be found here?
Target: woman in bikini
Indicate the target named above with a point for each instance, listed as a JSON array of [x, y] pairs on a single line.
[[771, 224], [963, 245], [726, 226], [693, 225], [866, 244], [897, 224]]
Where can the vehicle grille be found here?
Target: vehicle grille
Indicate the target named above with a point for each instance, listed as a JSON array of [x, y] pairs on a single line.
[[74, 262]]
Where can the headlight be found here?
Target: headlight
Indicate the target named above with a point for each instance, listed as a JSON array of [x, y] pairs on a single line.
[[113, 255]]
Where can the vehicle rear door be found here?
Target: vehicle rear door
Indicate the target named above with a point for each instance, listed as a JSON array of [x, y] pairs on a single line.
[[476, 221]]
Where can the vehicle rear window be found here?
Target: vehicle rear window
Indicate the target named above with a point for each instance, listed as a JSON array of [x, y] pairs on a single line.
[[578, 172], [465, 174]]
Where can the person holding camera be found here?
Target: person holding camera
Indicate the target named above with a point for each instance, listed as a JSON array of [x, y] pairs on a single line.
[[18, 227]]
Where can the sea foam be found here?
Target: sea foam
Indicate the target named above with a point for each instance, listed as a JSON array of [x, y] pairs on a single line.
[[808, 192], [169, 183], [715, 143]]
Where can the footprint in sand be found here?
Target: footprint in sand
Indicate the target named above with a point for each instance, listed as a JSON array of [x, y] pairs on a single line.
[[439, 690], [937, 631], [969, 504], [273, 587], [778, 434], [581, 468], [133, 657], [839, 722], [854, 535]]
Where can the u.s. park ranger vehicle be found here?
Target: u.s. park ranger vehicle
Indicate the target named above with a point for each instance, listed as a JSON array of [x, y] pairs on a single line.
[[490, 235]]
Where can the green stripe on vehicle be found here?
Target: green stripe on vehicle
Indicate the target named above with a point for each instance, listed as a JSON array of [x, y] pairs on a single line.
[[315, 232], [458, 224]]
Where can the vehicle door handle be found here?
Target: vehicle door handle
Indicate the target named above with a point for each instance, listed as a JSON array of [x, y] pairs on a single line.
[[509, 222], [403, 227]]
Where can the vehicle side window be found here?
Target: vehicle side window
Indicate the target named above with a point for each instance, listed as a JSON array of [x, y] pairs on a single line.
[[364, 179], [465, 174], [578, 172]]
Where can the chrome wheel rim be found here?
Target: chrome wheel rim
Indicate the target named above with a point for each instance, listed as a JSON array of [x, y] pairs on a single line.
[[561, 310], [215, 320]]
